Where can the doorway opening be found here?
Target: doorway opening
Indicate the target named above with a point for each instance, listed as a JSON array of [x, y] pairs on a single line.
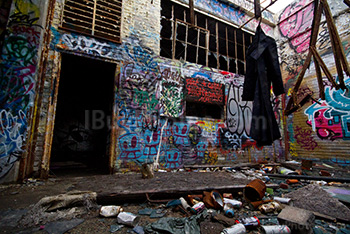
[[80, 144]]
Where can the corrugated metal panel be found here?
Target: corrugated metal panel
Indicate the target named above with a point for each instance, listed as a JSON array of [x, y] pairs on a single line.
[[100, 18]]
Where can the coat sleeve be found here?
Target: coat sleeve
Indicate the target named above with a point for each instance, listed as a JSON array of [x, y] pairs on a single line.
[[273, 69], [249, 80]]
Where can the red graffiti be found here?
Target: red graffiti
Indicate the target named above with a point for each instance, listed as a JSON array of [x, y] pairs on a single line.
[[203, 91], [251, 143]]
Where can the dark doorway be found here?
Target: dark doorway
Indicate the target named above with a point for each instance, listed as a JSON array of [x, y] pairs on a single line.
[[82, 123]]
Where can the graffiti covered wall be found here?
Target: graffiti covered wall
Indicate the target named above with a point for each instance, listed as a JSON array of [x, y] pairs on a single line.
[[318, 130], [151, 96], [153, 126], [18, 69]]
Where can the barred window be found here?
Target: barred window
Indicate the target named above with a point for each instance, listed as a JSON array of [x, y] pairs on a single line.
[[209, 41], [99, 18]]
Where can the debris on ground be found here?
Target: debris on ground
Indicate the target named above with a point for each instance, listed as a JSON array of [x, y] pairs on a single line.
[[110, 211], [60, 227], [128, 219], [177, 225], [11, 217], [312, 197], [63, 206], [298, 220], [249, 198]]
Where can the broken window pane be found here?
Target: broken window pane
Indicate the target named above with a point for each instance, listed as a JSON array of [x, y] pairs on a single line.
[[223, 63], [212, 43], [202, 57], [179, 50], [240, 52], [166, 46], [191, 53], [181, 32], [232, 66], [212, 60], [241, 69], [166, 29], [179, 12], [231, 49], [202, 39], [222, 46], [192, 35]]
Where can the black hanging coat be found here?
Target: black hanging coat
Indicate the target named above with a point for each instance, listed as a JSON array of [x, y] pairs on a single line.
[[262, 68]]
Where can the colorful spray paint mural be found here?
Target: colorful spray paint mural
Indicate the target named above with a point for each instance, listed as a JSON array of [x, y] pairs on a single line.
[[148, 130], [17, 79], [313, 129], [331, 119], [151, 96], [151, 101]]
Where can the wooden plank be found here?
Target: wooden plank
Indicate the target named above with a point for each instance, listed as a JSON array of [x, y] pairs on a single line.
[[127, 196], [324, 67], [223, 165]]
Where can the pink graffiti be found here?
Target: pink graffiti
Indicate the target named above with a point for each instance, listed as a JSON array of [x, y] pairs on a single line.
[[304, 138], [326, 128], [295, 24]]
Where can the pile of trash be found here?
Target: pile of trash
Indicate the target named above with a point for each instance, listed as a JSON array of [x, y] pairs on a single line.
[[254, 210], [277, 199]]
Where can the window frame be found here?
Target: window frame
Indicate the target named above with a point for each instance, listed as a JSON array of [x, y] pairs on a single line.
[[232, 59], [197, 45]]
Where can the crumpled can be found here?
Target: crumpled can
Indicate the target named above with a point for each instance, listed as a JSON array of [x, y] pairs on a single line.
[[110, 211], [128, 219], [270, 207], [235, 229]]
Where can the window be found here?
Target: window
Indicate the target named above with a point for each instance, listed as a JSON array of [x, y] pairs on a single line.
[[204, 110], [204, 98], [209, 42], [99, 18]]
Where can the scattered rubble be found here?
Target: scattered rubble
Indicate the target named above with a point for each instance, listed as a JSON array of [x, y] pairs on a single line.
[[298, 220], [60, 227], [312, 197], [259, 204], [63, 206]]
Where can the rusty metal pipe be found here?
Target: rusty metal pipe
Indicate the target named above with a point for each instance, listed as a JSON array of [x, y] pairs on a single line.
[[303, 177]]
